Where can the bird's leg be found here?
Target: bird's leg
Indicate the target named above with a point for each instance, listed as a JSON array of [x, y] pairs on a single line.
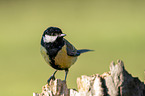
[[66, 72], [52, 77]]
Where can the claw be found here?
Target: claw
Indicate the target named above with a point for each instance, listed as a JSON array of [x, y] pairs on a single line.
[[51, 78]]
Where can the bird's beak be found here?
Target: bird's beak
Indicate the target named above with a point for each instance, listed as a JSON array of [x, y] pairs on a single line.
[[62, 35]]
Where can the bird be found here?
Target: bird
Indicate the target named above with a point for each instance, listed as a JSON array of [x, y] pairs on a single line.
[[59, 53]]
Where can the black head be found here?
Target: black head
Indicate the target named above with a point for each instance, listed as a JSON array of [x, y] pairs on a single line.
[[53, 31], [51, 34]]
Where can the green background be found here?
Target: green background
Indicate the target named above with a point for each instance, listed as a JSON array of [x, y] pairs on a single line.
[[114, 29]]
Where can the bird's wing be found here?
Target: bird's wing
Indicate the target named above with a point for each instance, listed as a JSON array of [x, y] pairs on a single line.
[[71, 50]]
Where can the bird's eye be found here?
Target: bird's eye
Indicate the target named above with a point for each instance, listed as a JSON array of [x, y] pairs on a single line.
[[46, 32]]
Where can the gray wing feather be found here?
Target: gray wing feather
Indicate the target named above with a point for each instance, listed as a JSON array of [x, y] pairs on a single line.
[[71, 50]]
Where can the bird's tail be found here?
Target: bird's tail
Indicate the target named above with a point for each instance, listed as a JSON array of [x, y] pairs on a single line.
[[84, 50]]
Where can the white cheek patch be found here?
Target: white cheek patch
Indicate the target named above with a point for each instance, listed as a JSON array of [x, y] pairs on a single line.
[[48, 38]]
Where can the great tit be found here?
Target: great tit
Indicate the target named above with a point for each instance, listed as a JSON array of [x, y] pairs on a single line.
[[57, 51]]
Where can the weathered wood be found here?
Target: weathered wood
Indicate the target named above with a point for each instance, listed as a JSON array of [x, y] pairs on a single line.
[[116, 82]]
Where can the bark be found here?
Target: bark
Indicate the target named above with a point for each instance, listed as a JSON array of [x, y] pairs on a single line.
[[116, 82]]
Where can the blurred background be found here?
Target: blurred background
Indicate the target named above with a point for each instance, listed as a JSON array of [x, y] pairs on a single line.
[[114, 29]]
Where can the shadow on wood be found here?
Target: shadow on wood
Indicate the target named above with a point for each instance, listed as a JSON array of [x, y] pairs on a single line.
[[117, 82]]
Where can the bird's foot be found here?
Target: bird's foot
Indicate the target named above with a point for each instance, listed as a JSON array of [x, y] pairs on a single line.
[[64, 81], [51, 78]]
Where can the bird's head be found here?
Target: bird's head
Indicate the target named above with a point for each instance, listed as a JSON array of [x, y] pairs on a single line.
[[51, 34]]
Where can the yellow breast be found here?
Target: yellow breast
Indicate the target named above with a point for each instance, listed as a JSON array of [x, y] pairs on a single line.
[[63, 60], [44, 54]]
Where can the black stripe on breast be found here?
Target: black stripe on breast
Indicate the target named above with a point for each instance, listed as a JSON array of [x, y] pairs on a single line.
[[52, 64], [52, 50]]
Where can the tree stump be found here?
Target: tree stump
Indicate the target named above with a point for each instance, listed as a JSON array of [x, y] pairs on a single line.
[[116, 82]]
